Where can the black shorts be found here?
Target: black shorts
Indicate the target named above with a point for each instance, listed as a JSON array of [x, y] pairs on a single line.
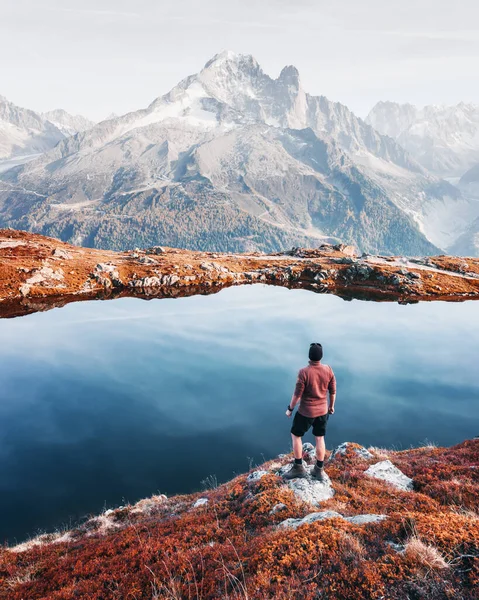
[[301, 425]]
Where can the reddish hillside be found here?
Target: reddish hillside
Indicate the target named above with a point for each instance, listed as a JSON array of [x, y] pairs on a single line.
[[418, 541]]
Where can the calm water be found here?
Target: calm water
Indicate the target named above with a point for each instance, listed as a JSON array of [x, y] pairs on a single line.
[[107, 402]]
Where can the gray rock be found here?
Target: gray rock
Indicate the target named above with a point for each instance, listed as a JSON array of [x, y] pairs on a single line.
[[311, 518], [276, 508], [399, 548], [62, 254], [45, 277], [145, 282], [170, 279], [386, 471], [155, 250], [308, 489], [364, 519], [330, 514], [395, 279], [343, 448], [105, 268], [359, 271], [200, 502], [256, 476], [309, 449], [147, 260]]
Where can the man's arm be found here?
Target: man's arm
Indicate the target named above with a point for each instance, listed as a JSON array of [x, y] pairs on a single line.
[[332, 400], [297, 394], [332, 393]]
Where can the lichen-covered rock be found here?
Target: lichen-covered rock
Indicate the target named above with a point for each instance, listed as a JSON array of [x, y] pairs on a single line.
[[330, 514], [309, 489], [276, 508], [200, 502], [155, 250], [311, 518], [309, 452], [364, 519], [386, 471], [146, 282], [62, 254], [170, 279], [256, 476], [343, 448]]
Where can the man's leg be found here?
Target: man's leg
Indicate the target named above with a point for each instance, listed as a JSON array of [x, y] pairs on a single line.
[[318, 469], [320, 448], [298, 429], [297, 447]]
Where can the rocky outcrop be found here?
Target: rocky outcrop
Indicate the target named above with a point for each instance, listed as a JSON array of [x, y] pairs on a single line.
[[37, 273], [386, 471], [330, 514], [347, 447], [309, 490]]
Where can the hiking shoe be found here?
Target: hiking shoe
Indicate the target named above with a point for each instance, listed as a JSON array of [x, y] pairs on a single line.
[[318, 474], [295, 472]]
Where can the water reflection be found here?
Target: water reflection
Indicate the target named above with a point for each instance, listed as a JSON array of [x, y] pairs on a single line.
[[102, 402]]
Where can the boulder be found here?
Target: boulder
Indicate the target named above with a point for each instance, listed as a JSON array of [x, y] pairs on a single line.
[[364, 519], [200, 502], [343, 448], [170, 279], [62, 254], [311, 518], [145, 282], [386, 471], [147, 260], [155, 250], [256, 476], [330, 514], [276, 508], [309, 489]]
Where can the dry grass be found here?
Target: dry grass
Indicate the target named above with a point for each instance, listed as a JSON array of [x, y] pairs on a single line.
[[351, 548], [424, 555]]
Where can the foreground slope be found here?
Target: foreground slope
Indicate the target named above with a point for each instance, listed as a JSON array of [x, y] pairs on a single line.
[[231, 160], [256, 537], [38, 273]]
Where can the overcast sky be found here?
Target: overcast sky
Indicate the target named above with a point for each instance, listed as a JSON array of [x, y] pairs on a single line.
[[95, 57]]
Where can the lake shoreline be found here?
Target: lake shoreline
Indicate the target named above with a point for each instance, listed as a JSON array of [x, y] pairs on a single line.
[[38, 273]]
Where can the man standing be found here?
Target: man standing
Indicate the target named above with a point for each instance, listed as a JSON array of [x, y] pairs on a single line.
[[313, 384]]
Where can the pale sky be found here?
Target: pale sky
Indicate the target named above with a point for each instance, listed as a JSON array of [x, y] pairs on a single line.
[[95, 57]]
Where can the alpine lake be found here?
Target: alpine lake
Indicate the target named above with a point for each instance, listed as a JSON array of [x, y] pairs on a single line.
[[103, 403]]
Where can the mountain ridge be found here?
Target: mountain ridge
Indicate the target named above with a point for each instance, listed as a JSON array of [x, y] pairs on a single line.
[[443, 138], [145, 167], [26, 132]]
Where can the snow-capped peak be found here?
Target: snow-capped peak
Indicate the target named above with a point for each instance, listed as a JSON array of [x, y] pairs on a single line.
[[231, 59], [68, 124], [444, 139]]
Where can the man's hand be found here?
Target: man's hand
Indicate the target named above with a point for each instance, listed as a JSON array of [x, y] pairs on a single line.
[[331, 410], [289, 413]]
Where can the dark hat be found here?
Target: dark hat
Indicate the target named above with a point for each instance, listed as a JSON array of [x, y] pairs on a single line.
[[315, 352]]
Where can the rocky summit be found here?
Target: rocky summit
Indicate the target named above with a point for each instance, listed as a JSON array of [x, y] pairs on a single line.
[[257, 536], [37, 273]]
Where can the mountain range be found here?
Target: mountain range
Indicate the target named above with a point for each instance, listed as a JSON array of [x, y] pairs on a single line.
[[24, 132], [443, 139], [232, 159]]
